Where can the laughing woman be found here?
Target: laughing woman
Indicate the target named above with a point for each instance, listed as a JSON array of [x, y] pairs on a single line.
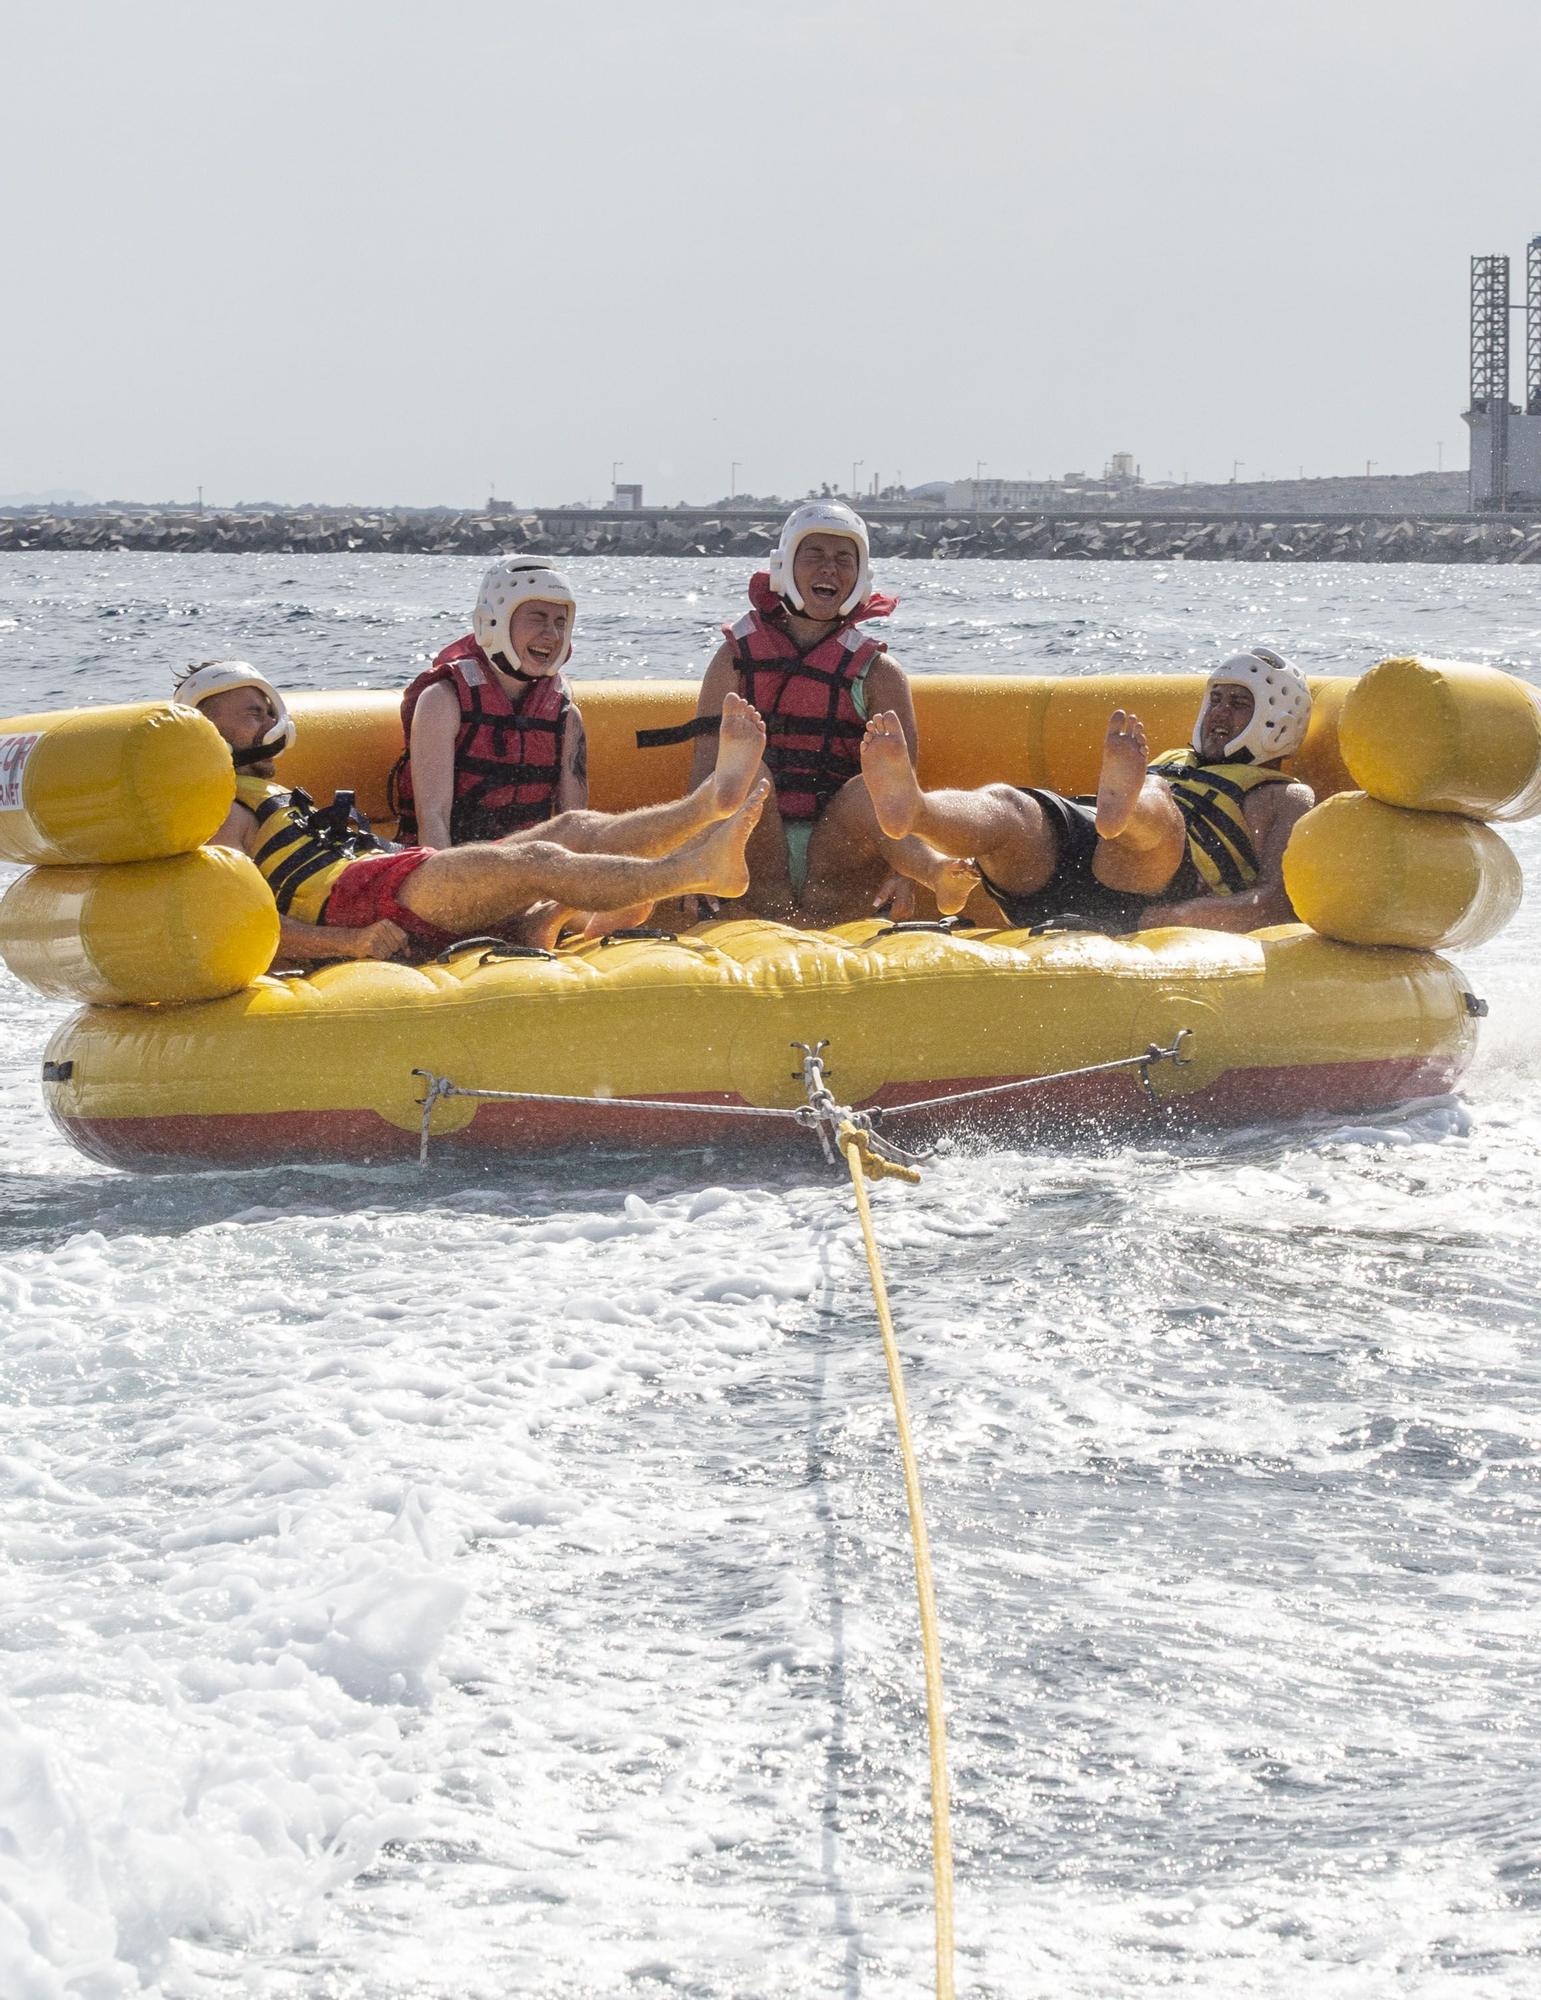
[[493, 741], [801, 655]]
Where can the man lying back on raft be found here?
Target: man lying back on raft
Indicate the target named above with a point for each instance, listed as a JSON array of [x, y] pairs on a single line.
[[818, 855], [1196, 836], [343, 894]]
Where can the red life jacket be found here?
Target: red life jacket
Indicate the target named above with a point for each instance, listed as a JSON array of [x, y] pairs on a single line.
[[508, 749], [813, 728]]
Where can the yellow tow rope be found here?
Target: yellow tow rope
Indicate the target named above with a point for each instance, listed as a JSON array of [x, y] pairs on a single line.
[[865, 1158], [862, 1160]]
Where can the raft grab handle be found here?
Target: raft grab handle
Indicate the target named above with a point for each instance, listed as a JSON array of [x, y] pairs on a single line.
[[494, 948]]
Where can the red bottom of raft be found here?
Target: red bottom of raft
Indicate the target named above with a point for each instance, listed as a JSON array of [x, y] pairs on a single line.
[[1098, 1107]]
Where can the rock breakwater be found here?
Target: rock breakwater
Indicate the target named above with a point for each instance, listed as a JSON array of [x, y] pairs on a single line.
[[685, 532]]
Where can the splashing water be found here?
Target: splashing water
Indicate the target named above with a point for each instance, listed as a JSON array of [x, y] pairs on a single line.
[[495, 1581]]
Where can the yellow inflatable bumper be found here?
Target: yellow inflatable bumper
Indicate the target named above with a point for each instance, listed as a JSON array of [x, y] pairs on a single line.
[[209, 1060], [326, 1067]]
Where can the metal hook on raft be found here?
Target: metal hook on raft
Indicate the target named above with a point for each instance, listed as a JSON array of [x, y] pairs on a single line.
[[1174, 1055], [436, 1087]]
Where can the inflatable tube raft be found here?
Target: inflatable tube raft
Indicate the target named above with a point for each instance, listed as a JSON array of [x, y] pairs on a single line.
[[189, 1051]]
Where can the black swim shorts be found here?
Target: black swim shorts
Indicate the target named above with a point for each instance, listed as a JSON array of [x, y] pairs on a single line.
[[1072, 892]]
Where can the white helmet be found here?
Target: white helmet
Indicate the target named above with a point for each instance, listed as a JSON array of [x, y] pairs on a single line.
[[512, 581], [198, 684], [820, 517], [1281, 705]]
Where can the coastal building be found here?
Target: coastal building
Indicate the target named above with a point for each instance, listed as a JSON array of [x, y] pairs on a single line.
[[1019, 496], [999, 496], [1505, 436]]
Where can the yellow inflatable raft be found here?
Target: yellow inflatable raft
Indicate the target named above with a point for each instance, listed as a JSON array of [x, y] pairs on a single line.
[[188, 1050]]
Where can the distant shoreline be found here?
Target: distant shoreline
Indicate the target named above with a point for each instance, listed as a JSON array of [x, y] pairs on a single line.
[[1165, 535]]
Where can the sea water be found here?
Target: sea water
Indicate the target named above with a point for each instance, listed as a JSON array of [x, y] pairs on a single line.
[[495, 1580]]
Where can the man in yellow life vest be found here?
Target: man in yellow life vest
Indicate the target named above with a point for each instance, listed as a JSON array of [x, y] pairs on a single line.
[[1196, 836], [341, 893]]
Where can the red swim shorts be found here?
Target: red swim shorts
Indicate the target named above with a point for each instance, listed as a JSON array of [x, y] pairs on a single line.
[[365, 893]]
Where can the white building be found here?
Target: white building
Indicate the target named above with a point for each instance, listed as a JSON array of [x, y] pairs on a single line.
[[1505, 458], [998, 496]]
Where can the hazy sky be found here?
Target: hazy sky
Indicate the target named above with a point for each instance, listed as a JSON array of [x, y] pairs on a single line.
[[401, 252]]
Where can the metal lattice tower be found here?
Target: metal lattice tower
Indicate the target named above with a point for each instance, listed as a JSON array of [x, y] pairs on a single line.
[[1533, 328], [1490, 334]]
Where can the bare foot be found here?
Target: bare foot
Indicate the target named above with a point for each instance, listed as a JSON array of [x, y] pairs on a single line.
[[542, 924], [600, 923], [891, 782], [895, 898], [740, 752], [953, 883], [950, 882], [1125, 760], [715, 858]]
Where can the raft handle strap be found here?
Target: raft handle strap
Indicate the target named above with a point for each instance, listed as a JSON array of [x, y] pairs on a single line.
[[493, 947], [1069, 922], [938, 926]]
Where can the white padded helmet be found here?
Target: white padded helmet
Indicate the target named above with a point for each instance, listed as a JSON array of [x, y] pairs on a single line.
[[198, 684], [820, 517], [512, 581], [1281, 705]]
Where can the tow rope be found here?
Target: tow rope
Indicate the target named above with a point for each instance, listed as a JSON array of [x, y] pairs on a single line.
[[867, 1157], [851, 1135]]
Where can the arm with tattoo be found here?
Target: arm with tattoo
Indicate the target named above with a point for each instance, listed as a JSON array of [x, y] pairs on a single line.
[[573, 785]]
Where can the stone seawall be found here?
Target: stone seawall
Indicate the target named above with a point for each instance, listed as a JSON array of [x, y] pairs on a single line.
[[690, 532]]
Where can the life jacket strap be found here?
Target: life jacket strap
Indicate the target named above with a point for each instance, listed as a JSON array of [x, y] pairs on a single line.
[[679, 732]]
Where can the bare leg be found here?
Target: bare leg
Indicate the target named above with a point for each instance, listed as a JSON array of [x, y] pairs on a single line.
[[652, 830], [466, 889], [1004, 830], [991, 822], [848, 860], [1141, 834], [770, 875]]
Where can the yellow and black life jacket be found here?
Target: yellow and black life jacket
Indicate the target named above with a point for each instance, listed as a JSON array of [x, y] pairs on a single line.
[[1210, 797], [302, 848]]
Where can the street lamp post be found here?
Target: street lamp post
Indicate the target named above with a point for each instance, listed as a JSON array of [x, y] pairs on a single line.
[[615, 466], [733, 482], [1236, 466], [856, 466]]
